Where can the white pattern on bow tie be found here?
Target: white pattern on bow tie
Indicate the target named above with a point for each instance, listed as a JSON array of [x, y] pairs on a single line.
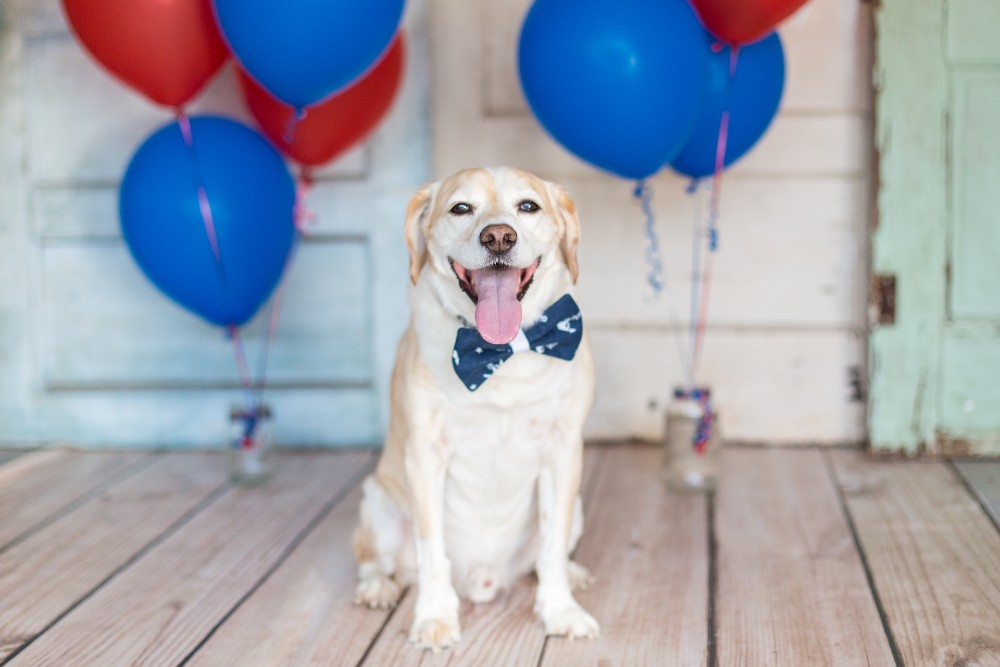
[[520, 342], [564, 325]]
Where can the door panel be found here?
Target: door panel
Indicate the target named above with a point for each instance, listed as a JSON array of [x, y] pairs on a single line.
[[970, 393], [975, 280], [970, 355], [972, 31], [107, 326]]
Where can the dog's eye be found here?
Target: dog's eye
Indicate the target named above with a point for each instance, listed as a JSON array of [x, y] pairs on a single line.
[[528, 206], [461, 208]]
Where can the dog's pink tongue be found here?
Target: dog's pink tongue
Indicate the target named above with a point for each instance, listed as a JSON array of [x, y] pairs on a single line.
[[498, 312]]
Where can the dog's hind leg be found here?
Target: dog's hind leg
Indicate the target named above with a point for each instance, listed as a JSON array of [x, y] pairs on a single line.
[[378, 543], [580, 578]]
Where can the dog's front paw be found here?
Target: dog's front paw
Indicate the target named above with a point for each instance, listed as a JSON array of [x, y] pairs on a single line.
[[377, 591], [436, 632], [571, 621]]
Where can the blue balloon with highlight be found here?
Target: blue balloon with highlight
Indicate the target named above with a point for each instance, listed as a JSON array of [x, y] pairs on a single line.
[[752, 97], [251, 195], [304, 51], [617, 83]]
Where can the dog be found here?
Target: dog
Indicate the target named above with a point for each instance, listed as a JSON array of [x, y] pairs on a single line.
[[479, 480]]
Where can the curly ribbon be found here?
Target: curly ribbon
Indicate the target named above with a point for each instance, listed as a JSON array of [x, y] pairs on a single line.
[[656, 277], [643, 193]]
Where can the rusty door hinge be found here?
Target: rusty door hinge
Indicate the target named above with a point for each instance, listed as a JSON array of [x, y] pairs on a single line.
[[882, 300]]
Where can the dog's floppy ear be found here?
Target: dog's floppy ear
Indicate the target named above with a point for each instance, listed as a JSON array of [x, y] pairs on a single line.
[[416, 213], [570, 228]]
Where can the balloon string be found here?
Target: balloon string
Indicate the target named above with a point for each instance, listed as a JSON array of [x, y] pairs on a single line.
[[657, 275], [654, 277], [203, 204], [700, 297], [251, 408], [696, 257], [303, 216], [273, 316]]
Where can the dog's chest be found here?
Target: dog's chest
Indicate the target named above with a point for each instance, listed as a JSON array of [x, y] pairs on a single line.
[[495, 455]]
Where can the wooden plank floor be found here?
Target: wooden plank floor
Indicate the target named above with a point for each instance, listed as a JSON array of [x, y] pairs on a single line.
[[803, 557]]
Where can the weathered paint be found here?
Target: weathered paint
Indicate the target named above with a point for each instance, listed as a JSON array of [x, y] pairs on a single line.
[[909, 242], [934, 370]]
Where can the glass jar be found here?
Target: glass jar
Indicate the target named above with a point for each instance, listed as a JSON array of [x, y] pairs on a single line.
[[250, 462], [691, 451]]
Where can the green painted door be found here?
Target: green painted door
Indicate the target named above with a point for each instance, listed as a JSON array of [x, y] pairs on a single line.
[[935, 361]]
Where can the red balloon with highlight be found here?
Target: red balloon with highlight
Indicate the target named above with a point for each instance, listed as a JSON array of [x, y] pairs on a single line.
[[166, 49], [334, 125]]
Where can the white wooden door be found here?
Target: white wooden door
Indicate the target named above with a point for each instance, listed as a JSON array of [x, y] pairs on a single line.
[[91, 353], [787, 321]]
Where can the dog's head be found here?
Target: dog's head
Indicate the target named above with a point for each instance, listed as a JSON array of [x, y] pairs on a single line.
[[496, 246]]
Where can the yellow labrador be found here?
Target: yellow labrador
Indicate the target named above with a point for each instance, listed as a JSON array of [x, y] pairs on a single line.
[[479, 480]]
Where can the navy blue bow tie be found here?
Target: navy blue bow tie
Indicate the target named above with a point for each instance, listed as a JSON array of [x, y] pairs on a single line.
[[556, 334]]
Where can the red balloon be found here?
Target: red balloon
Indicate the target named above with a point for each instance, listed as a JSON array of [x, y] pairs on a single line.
[[335, 124], [165, 49], [739, 22]]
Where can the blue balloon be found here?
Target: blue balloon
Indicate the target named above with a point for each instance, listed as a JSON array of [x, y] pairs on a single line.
[[303, 51], [617, 83], [752, 97], [251, 195]]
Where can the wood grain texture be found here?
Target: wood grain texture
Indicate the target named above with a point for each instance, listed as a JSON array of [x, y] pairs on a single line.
[[984, 478], [233, 580], [43, 576], [157, 611], [502, 632], [37, 485], [648, 549], [304, 613], [791, 586], [934, 557], [497, 634], [10, 454]]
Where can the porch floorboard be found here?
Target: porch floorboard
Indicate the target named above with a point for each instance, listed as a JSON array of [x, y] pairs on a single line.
[[802, 557]]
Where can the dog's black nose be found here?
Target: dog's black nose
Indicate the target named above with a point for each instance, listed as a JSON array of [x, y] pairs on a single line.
[[498, 238]]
